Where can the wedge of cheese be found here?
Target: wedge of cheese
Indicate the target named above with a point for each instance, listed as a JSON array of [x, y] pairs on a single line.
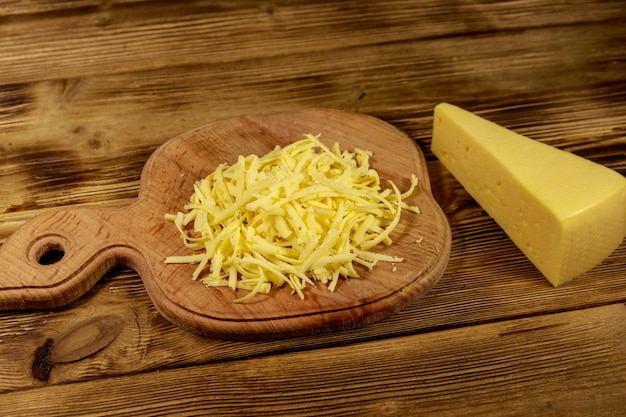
[[564, 212]]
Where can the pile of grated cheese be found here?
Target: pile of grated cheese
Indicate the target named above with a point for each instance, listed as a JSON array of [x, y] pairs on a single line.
[[298, 215]]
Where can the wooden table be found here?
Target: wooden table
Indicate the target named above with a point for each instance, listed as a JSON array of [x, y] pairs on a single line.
[[89, 89]]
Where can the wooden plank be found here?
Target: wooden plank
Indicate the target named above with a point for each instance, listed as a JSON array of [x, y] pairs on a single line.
[[20, 8], [146, 98], [561, 364], [487, 279], [83, 127], [415, 76], [105, 40], [489, 290]]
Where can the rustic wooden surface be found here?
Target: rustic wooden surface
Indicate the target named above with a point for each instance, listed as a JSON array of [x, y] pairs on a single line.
[[88, 90]]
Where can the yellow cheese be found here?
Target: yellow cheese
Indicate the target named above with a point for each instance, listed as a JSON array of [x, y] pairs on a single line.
[[564, 212], [297, 215]]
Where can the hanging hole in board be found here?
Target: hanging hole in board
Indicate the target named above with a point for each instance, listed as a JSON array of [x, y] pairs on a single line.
[[52, 255], [47, 250]]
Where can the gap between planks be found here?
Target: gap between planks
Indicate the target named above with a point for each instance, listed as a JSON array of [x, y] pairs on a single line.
[[569, 363]]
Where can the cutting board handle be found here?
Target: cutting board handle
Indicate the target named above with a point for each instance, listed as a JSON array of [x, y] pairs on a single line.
[[59, 255]]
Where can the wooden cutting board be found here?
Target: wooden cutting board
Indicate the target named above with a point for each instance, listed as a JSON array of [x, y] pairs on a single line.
[[58, 256]]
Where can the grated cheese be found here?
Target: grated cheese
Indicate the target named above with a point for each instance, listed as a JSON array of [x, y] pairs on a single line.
[[298, 215]]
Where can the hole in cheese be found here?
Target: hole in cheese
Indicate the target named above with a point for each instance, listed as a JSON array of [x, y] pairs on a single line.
[[299, 215]]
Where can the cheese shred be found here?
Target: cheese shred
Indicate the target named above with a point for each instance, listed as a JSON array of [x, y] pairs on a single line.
[[299, 215]]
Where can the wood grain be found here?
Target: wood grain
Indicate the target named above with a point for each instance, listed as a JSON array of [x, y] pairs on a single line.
[[458, 300], [84, 158], [149, 29], [547, 365], [159, 34], [89, 241], [90, 89]]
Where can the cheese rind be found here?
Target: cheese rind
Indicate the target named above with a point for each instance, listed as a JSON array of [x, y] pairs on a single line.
[[565, 213]]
